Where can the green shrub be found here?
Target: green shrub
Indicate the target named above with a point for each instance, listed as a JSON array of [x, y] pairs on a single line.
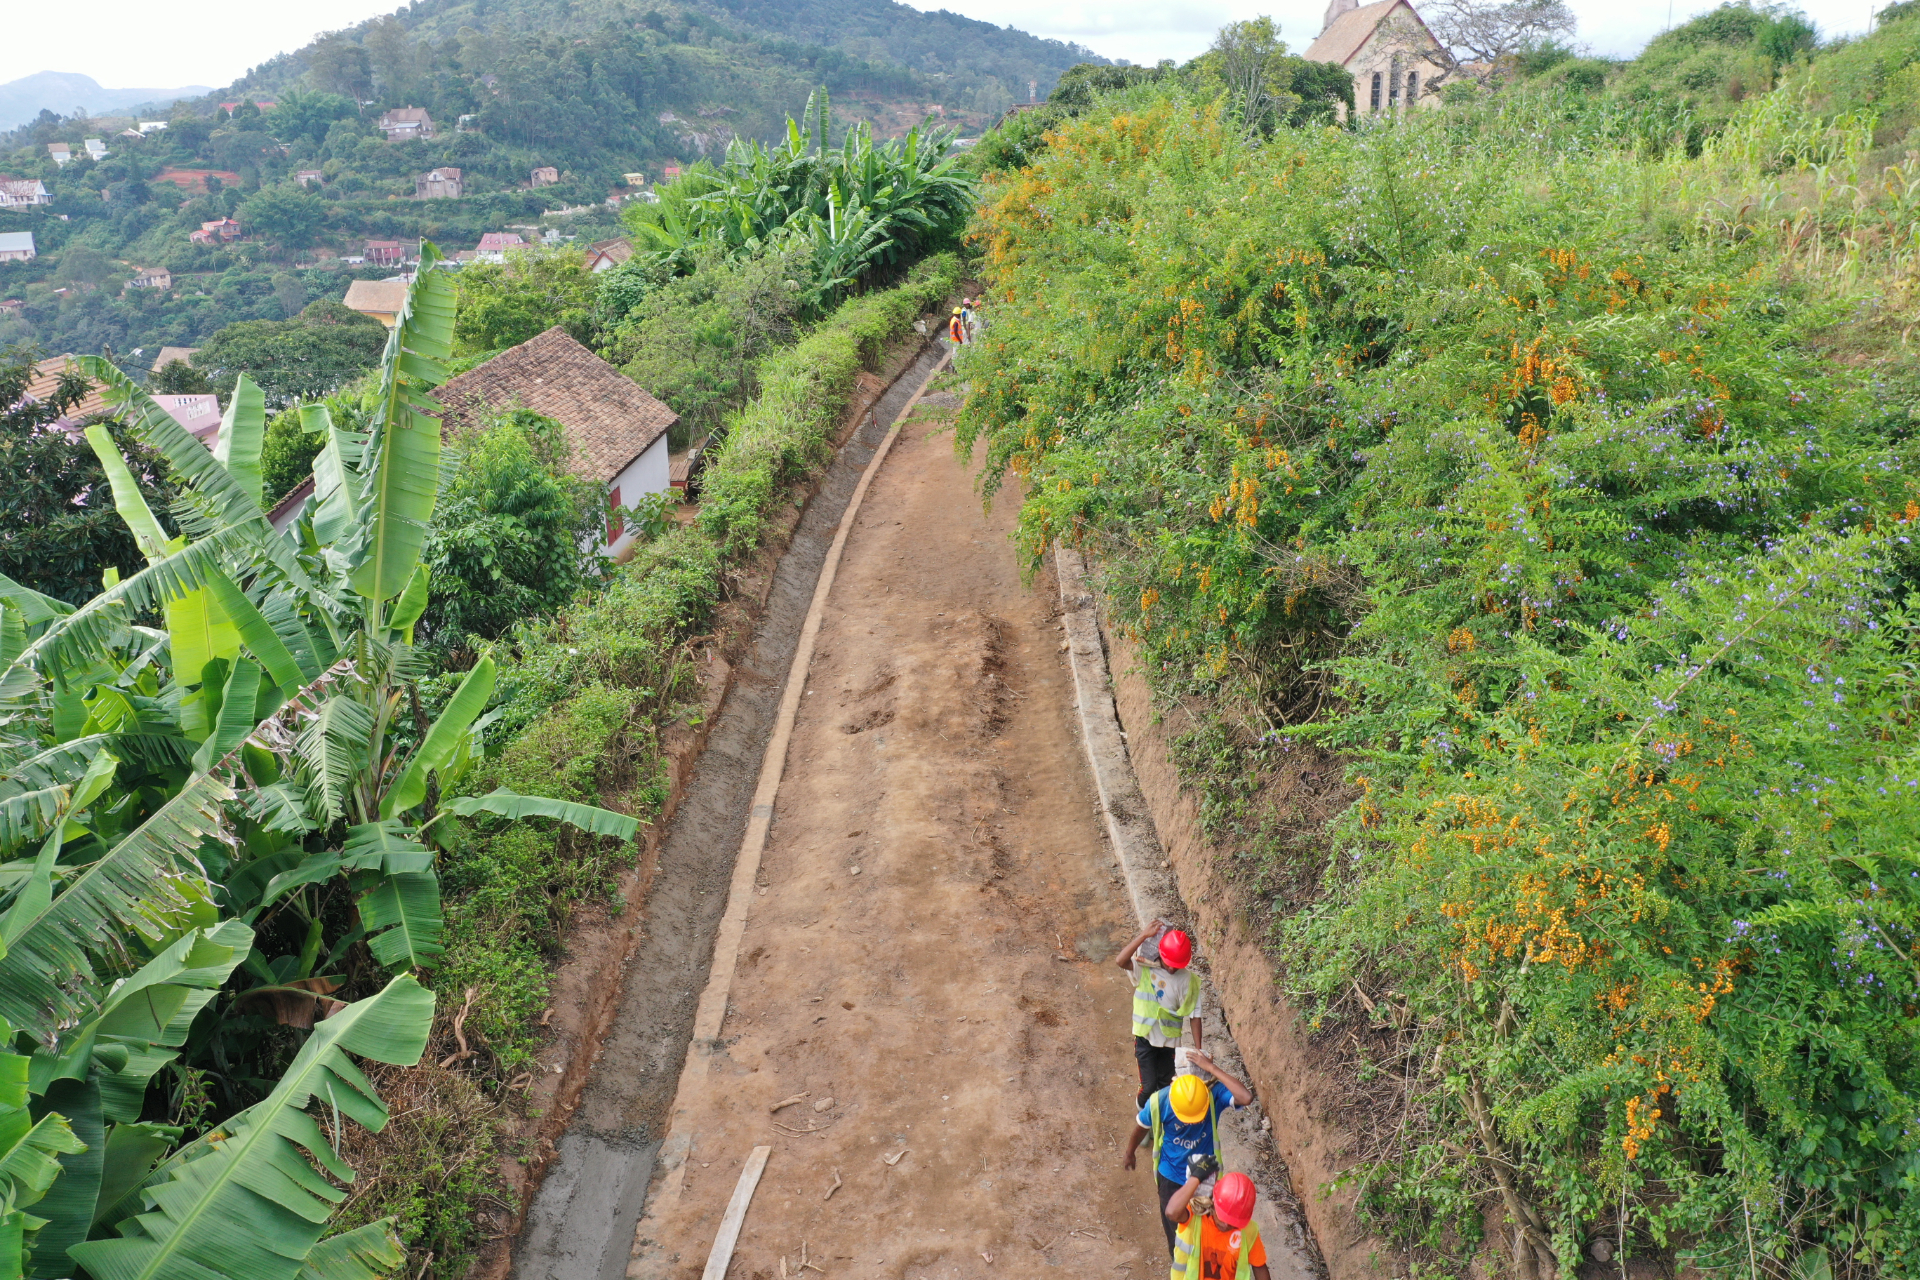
[[1477, 452]]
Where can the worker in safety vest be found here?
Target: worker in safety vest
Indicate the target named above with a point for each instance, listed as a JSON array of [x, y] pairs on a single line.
[[1184, 1120], [1218, 1239], [1166, 1001], [957, 328]]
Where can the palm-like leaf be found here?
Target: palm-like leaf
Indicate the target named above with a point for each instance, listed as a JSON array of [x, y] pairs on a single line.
[[511, 804], [333, 746], [468, 701], [247, 1202], [365, 1253], [140, 874], [402, 471], [242, 429]]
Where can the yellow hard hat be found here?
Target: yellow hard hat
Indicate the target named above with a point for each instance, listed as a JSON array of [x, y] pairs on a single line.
[[956, 311], [1191, 1098]]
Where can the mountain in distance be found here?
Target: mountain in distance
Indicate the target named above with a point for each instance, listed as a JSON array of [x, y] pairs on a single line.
[[61, 92]]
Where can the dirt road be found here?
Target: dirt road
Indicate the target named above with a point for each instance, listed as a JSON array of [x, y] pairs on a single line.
[[925, 959]]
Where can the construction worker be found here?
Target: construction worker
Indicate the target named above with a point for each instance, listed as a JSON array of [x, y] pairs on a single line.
[[957, 328], [1166, 1001], [1184, 1119], [1213, 1241]]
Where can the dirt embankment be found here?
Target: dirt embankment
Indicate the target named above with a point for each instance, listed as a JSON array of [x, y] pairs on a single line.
[[1300, 1082]]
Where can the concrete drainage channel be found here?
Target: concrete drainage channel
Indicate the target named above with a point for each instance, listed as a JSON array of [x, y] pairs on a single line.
[[581, 1223]]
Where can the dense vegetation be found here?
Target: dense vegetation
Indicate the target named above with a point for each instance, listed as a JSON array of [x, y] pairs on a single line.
[[1548, 459]]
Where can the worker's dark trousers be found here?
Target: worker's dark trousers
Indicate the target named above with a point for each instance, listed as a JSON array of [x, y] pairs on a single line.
[[1167, 1188], [1156, 1068]]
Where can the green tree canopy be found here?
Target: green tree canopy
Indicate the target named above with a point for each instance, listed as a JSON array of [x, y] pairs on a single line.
[[504, 304], [322, 348], [286, 213]]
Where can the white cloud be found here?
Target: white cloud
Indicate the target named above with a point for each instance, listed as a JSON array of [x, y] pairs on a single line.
[[143, 43]]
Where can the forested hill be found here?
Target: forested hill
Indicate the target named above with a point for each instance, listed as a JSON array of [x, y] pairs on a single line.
[[870, 47]]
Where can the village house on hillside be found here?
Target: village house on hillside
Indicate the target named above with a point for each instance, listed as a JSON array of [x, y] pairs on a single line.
[[605, 255], [219, 231], [169, 355], [443, 183], [16, 246], [1387, 47], [60, 152], [545, 176], [22, 193], [310, 178], [403, 123], [493, 246], [385, 253], [151, 278], [617, 431], [381, 299]]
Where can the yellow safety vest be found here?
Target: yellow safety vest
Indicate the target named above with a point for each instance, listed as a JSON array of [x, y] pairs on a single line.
[[1186, 1251], [1213, 1121], [1150, 1016]]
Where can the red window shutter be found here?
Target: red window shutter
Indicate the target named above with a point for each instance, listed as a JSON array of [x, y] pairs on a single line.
[[614, 524]]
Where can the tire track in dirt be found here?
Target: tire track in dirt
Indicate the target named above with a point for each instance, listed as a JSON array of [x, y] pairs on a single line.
[[580, 1226], [925, 956]]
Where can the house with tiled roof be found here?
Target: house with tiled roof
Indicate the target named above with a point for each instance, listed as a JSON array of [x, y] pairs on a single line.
[[1389, 50], [444, 183], [605, 255], [493, 246], [381, 299], [617, 431], [46, 380], [403, 123]]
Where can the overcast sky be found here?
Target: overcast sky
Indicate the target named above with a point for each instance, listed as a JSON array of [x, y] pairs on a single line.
[[164, 43]]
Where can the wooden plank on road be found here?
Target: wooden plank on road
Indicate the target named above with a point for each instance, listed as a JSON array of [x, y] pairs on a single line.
[[736, 1215]]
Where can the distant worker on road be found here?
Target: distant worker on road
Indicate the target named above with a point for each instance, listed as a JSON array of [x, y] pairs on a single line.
[[1217, 1239], [957, 328], [1166, 1001], [1184, 1119]]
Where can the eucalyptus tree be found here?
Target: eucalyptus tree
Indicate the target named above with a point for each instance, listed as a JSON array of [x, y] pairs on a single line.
[[218, 790]]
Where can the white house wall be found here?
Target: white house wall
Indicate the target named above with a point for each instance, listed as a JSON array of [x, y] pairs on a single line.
[[646, 474]]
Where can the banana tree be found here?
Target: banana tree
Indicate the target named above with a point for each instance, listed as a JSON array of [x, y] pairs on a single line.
[[177, 805]]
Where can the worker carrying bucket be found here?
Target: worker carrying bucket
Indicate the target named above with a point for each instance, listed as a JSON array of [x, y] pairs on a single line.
[[1216, 1237], [1184, 1120], [1166, 1001]]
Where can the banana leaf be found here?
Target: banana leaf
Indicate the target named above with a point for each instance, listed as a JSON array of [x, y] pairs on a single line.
[[402, 471], [119, 891], [247, 1202], [511, 804], [403, 920], [243, 428], [365, 1253], [468, 701]]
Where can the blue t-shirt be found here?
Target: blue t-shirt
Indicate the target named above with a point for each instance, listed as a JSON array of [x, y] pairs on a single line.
[[1178, 1139]]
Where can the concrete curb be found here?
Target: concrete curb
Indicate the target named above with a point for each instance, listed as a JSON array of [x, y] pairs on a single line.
[[1245, 1142], [712, 1011]]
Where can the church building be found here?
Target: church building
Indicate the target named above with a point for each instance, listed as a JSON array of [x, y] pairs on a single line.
[[1394, 58]]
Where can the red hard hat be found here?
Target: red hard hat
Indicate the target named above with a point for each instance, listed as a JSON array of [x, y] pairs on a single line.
[[1233, 1198], [1176, 949]]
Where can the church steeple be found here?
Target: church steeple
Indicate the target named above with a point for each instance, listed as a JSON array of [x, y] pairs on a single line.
[[1336, 8]]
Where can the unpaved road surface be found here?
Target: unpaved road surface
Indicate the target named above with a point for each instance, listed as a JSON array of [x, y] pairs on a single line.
[[580, 1226], [925, 958]]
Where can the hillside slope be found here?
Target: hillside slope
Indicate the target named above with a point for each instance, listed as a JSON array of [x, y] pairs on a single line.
[[60, 91]]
